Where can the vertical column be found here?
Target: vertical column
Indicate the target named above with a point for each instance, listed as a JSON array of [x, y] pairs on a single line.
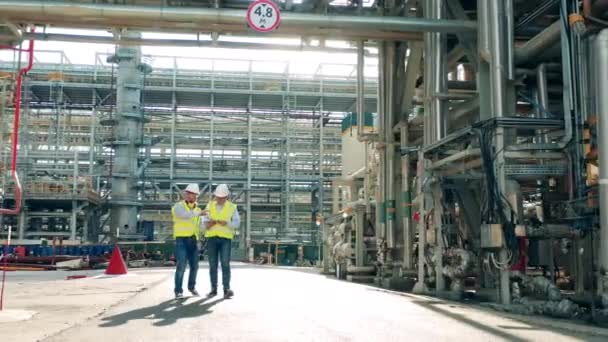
[[389, 139], [496, 97], [73, 220], [321, 171], [173, 127], [601, 52], [406, 200], [380, 196], [287, 173], [127, 138], [211, 129], [21, 227], [247, 236]]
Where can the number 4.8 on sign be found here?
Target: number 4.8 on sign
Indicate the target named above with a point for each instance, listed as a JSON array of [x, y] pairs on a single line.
[[263, 16], [268, 14]]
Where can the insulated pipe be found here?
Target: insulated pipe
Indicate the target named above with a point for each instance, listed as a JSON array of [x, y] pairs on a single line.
[[538, 44], [129, 41], [192, 19], [543, 97], [380, 194], [601, 51], [389, 150], [361, 136]]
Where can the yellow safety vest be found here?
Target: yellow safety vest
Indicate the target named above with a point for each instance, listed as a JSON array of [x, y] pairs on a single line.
[[218, 230], [185, 228]]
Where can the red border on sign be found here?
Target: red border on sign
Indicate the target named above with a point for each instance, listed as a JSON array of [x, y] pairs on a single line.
[[269, 3]]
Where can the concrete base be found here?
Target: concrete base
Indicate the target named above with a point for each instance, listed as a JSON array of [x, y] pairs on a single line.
[[420, 288], [361, 279], [7, 316]]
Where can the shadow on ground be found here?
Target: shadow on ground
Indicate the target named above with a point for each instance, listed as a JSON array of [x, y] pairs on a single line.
[[165, 313], [498, 331]]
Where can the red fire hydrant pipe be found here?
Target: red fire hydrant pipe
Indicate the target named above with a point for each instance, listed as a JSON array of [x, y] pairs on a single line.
[[14, 174]]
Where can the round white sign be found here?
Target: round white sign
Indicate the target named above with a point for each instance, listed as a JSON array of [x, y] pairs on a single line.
[[263, 16]]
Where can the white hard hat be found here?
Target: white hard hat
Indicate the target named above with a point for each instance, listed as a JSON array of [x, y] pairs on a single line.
[[222, 191], [193, 188]]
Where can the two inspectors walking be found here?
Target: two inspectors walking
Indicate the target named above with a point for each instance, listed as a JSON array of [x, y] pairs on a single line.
[[218, 220]]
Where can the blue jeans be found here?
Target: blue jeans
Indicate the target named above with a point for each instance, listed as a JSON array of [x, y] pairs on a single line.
[[219, 248], [186, 252]]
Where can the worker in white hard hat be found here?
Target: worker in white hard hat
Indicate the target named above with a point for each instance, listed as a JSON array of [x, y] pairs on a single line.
[[186, 232], [221, 222]]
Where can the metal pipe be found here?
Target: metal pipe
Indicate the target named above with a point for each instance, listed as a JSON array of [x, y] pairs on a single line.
[[601, 52], [420, 286], [498, 59], [428, 124], [538, 44], [389, 150], [474, 152], [72, 38], [406, 201], [361, 136], [195, 19], [380, 204], [510, 22]]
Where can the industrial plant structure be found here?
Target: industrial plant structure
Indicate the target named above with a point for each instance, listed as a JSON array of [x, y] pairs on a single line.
[[471, 160]]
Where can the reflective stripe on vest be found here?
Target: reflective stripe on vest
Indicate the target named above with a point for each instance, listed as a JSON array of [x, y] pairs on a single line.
[[185, 228], [218, 230]]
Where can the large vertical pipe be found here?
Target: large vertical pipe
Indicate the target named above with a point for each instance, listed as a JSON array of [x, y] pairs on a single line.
[[211, 132], [429, 123], [380, 204], [543, 96], [439, 70], [247, 237], [601, 52], [389, 139], [498, 80], [406, 211], [360, 90], [173, 152], [321, 159], [498, 58], [420, 286]]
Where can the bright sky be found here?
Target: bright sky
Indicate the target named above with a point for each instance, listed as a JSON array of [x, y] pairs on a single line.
[[300, 62]]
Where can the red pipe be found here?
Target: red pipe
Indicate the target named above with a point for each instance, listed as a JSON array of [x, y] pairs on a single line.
[[14, 174]]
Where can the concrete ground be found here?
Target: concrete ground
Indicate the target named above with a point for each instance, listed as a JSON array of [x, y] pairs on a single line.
[[271, 304]]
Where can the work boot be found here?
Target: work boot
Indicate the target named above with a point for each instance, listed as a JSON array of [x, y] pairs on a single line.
[[194, 292], [228, 293], [213, 293]]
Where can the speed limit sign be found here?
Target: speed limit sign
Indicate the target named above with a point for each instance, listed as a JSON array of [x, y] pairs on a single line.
[[263, 16]]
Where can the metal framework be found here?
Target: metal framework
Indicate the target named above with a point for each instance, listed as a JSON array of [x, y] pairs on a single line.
[[273, 137]]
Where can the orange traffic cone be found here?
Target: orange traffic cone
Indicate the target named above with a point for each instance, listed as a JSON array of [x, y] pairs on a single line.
[[117, 264]]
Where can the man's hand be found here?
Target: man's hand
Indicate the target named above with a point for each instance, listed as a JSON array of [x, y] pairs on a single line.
[[210, 224], [203, 212], [223, 223]]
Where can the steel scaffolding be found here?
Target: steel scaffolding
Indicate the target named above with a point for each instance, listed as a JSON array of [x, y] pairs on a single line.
[[273, 137]]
